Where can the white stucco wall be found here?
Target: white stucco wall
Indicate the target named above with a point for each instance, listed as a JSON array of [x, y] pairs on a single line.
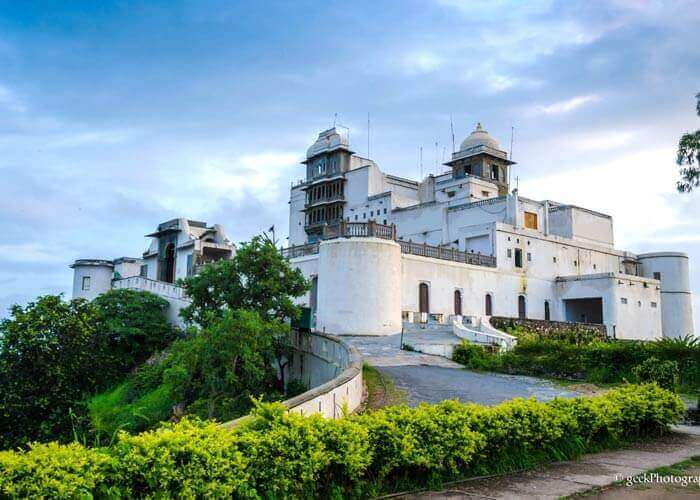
[[99, 272], [357, 287], [676, 297]]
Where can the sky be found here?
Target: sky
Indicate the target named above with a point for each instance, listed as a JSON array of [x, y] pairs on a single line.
[[116, 116]]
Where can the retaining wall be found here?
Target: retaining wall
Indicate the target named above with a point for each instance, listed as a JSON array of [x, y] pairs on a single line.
[[545, 328]]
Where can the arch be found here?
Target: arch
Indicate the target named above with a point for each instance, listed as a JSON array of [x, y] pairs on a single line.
[[547, 314], [458, 302], [423, 298], [169, 263], [522, 307], [488, 305]]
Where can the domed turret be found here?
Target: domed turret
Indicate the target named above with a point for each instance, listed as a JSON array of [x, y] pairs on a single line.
[[328, 140], [479, 137]]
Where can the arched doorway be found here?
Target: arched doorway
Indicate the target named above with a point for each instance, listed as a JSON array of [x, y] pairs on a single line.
[[546, 311], [458, 303], [522, 310], [169, 263], [423, 298], [488, 305]]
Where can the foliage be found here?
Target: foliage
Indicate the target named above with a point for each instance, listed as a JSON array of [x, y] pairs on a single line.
[[664, 373], [598, 362], [135, 323], [548, 330], [688, 158], [212, 374], [258, 278], [471, 355], [48, 354], [276, 454], [54, 354]]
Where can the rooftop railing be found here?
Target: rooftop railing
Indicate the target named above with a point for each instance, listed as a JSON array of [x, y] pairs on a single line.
[[372, 229]]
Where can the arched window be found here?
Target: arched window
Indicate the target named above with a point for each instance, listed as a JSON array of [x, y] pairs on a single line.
[[546, 311], [169, 273], [458, 303], [423, 298], [488, 305], [522, 311]]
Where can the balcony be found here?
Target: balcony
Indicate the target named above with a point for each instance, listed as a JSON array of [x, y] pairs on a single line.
[[325, 200]]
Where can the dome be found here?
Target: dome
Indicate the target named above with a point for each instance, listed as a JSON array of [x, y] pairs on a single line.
[[479, 138], [328, 140]]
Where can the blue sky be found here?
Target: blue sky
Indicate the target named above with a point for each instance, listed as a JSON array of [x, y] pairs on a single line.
[[115, 116]]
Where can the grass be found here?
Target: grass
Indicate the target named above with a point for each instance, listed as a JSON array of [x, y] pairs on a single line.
[[381, 390]]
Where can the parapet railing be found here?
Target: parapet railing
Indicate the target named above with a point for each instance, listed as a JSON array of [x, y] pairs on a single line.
[[345, 229], [162, 288]]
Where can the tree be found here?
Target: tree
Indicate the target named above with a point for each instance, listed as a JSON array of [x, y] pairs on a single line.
[[135, 324], [258, 278], [55, 354], [51, 357], [689, 158]]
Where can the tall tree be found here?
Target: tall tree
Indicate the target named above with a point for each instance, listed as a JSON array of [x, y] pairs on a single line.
[[258, 278], [689, 158]]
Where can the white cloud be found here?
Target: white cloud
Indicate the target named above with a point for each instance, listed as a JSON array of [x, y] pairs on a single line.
[[565, 106], [421, 61], [10, 101]]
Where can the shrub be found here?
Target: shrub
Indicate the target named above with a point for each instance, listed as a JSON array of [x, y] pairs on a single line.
[[664, 373], [276, 454], [472, 356]]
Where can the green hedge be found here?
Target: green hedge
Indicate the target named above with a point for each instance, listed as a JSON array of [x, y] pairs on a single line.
[[599, 362], [278, 454]]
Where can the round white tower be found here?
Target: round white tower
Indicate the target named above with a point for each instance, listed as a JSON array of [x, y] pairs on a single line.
[[91, 277], [359, 287], [676, 299]]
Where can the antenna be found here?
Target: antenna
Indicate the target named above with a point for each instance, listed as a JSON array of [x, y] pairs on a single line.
[[367, 134], [444, 150], [436, 157], [420, 161], [452, 130], [512, 134]]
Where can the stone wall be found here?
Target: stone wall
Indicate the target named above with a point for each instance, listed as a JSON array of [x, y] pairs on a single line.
[[549, 328]]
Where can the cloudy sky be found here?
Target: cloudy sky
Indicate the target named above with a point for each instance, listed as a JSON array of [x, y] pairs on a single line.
[[115, 116]]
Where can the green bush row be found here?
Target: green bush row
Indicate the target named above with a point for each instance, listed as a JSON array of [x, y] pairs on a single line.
[[277, 454], [600, 362]]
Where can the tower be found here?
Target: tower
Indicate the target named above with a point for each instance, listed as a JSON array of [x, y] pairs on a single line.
[[481, 155], [326, 162]]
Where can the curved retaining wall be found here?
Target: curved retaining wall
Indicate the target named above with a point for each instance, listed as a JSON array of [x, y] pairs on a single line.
[[332, 369]]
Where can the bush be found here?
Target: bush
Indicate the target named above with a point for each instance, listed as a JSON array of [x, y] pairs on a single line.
[[276, 454], [472, 356], [599, 362], [664, 373]]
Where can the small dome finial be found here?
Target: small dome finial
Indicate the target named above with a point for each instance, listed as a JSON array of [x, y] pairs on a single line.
[[478, 126]]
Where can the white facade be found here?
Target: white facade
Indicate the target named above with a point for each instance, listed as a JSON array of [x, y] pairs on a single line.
[[178, 247], [536, 259]]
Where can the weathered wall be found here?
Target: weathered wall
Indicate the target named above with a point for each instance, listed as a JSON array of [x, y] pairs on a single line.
[[333, 371]]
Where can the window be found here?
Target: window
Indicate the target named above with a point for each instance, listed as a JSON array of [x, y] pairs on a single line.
[[575, 263], [554, 259], [364, 215], [510, 253], [546, 310], [450, 194], [639, 303], [86, 283], [529, 257], [653, 305], [189, 265], [384, 222], [530, 220], [595, 267], [143, 272], [485, 194], [371, 214], [488, 305], [623, 300], [385, 211], [494, 172], [657, 275], [518, 257]]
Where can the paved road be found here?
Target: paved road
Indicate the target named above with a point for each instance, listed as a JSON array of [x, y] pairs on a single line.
[[431, 379]]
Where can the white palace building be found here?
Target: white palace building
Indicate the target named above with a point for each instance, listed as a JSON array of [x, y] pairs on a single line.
[[386, 254]]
